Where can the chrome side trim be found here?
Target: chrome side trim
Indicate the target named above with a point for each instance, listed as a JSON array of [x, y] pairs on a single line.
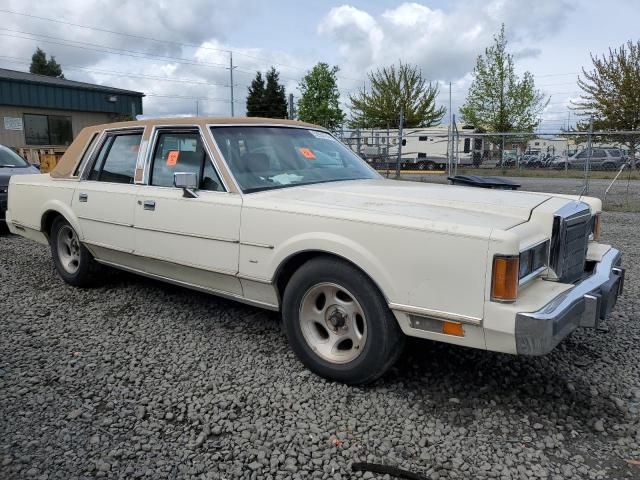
[[180, 283], [436, 314], [533, 275], [230, 273], [110, 222], [174, 232], [25, 225], [259, 245], [255, 279], [107, 246]]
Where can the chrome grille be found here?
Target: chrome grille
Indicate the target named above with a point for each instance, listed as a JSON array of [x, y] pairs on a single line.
[[569, 241]]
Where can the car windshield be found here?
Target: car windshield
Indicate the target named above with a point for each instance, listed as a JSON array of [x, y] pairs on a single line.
[[265, 158], [8, 158]]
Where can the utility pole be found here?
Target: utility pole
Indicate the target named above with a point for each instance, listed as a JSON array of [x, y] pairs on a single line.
[[399, 143], [291, 106], [587, 165], [450, 136], [231, 67]]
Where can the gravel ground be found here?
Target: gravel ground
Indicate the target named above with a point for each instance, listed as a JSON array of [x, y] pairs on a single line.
[[138, 379]]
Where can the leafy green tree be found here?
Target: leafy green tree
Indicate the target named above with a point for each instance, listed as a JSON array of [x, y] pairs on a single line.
[[320, 100], [392, 90], [498, 100], [41, 66], [255, 97], [612, 93], [275, 98]]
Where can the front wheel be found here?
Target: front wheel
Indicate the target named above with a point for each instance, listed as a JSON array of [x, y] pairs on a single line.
[[338, 323], [73, 262]]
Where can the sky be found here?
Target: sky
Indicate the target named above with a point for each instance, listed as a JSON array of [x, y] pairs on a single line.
[[178, 53]]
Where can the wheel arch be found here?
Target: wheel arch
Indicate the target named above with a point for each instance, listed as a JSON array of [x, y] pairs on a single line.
[[293, 262], [53, 211]]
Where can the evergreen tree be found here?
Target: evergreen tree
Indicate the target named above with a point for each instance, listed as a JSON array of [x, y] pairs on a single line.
[[255, 97], [274, 96], [41, 66], [320, 99]]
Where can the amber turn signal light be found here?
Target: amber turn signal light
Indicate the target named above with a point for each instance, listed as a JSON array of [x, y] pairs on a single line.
[[504, 281], [453, 328]]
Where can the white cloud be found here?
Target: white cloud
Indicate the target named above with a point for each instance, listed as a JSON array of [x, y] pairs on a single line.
[[443, 43]]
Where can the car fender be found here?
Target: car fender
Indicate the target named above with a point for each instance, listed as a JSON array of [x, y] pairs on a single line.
[[58, 206], [333, 244]]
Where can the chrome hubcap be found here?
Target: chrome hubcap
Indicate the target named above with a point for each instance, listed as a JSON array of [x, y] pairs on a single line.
[[68, 247], [333, 323]]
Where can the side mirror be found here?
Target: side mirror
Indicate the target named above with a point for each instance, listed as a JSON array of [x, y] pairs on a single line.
[[188, 182], [404, 142]]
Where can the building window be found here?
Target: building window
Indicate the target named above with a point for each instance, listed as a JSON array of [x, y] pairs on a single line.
[[467, 145], [47, 130], [422, 139]]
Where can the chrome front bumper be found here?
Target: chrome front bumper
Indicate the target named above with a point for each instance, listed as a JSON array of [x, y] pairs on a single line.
[[584, 305]]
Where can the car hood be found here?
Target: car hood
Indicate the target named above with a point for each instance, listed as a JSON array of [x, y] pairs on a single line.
[[413, 204], [7, 172]]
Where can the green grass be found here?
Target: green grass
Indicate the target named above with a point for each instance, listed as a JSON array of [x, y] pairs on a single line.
[[543, 173]]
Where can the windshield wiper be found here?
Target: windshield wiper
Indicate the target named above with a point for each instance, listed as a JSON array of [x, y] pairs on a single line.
[[8, 166], [274, 187]]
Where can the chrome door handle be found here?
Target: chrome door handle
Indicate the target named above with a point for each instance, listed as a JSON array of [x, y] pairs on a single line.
[[149, 205], [83, 197]]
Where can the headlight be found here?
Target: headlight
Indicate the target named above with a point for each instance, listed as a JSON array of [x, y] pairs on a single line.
[[533, 260]]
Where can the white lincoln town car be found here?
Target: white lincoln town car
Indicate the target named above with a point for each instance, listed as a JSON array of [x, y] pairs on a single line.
[[281, 215]]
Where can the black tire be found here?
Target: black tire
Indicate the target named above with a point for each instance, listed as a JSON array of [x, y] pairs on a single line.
[[384, 339], [84, 274]]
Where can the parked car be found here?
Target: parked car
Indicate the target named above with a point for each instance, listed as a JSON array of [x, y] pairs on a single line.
[[601, 159], [281, 215], [10, 164]]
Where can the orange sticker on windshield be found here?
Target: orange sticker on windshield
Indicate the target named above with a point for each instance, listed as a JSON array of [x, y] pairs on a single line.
[[307, 153], [172, 158]]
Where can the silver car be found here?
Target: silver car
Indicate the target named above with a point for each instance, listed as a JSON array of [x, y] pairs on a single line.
[[601, 159]]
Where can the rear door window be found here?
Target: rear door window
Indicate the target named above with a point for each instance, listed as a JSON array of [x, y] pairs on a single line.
[[116, 161]]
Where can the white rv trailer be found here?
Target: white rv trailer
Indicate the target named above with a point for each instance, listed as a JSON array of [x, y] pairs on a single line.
[[422, 148]]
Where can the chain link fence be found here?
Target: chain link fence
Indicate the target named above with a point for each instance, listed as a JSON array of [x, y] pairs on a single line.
[[610, 158]]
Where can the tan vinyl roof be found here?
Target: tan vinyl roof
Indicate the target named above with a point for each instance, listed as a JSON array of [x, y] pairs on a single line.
[[203, 121], [73, 154]]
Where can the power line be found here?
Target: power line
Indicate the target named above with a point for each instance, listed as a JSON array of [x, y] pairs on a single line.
[[167, 42], [122, 74], [107, 49]]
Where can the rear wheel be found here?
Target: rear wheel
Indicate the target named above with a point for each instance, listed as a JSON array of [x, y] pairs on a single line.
[[338, 324], [73, 262]]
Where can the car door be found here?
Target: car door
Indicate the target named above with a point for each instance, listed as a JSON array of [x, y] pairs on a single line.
[[578, 161], [105, 198], [190, 240], [597, 159]]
